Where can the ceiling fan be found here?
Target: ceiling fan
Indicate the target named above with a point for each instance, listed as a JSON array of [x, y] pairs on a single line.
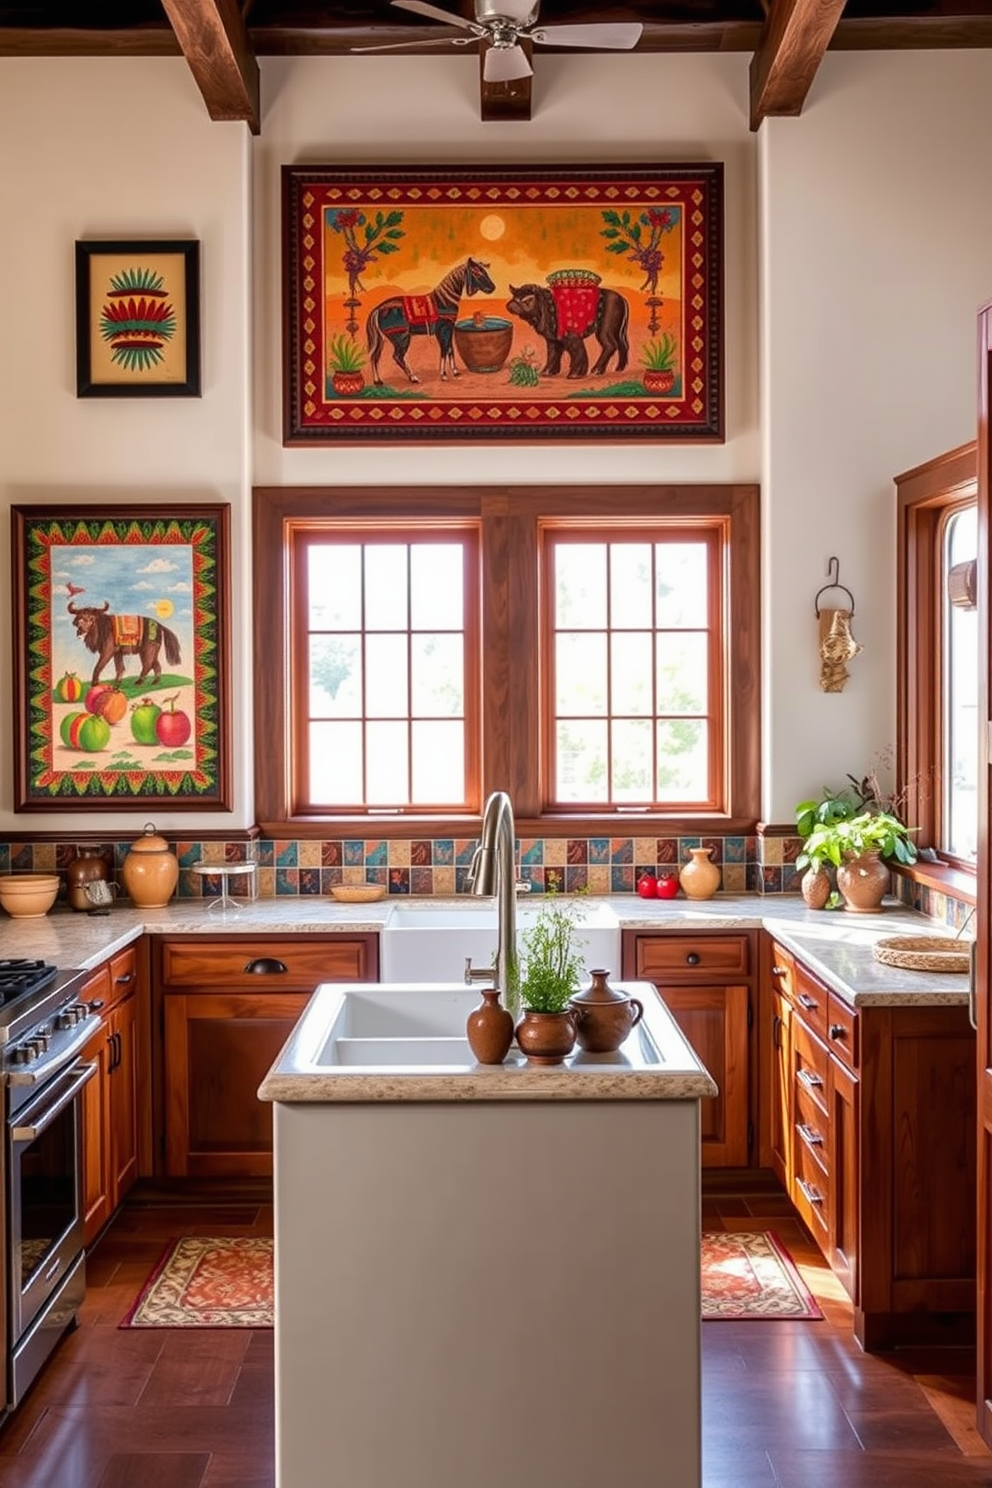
[[501, 25]]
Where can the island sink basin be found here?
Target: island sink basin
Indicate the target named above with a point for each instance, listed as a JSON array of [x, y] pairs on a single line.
[[430, 942], [410, 1026]]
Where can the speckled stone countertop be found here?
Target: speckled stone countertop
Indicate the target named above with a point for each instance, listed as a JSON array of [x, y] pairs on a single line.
[[837, 946], [654, 1063]]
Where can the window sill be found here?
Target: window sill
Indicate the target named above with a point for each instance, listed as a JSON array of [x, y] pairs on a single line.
[[959, 883], [404, 826]]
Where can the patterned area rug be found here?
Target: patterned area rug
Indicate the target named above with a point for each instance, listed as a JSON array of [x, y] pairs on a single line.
[[199, 1283], [752, 1276]]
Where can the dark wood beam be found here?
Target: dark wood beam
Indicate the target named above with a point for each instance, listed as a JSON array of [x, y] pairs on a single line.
[[795, 37], [215, 44]]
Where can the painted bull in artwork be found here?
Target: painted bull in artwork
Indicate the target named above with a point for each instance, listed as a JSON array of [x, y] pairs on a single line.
[[564, 322], [112, 637]]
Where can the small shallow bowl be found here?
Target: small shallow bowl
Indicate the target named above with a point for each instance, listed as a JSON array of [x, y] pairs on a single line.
[[28, 896]]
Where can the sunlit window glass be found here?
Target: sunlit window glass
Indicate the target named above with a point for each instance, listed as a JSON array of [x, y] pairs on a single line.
[[959, 765]]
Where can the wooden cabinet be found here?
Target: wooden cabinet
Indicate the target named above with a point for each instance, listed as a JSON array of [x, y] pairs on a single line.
[[705, 981], [226, 1007], [868, 1118], [110, 1109]]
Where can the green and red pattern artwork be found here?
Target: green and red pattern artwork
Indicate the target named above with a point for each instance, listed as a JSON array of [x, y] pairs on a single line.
[[120, 665], [137, 318]]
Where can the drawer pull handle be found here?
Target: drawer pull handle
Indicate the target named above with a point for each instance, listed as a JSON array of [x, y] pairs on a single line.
[[96, 1004], [838, 1031], [124, 978], [812, 1196], [809, 1003], [692, 959], [807, 1078], [810, 1137], [266, 966], [780, 971]]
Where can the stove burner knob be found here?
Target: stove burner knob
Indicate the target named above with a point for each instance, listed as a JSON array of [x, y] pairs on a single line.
[[62, 1020], [24, 1054]]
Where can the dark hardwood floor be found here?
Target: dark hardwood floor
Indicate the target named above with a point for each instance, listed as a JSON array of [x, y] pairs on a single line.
[[786, 1404]]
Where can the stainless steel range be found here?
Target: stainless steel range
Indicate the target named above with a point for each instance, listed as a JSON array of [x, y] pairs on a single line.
[[43, 1027]]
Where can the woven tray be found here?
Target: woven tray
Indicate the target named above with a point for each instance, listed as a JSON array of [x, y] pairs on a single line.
[[923, 952], [358, 893]]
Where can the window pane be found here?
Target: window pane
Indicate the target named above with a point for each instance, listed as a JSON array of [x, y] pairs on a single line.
[[630, 655], [436, 586], [336, 763], [682, 669], [580, 675], [581, 761], [580, 585], [632, 760], [630, 584], [386, 760], [334, 586], [335, 676], [385, 587], [681, 584], [682, 760], [386, 690], [438, 763], [438, 676], [960, 764]]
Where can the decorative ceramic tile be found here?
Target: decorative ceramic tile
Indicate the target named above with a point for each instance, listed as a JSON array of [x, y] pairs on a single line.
[[734, 877], [667, 850], [599, 878], [287, 854], [576, 878], [555, 852], [376, 854], [397, 854], [309, 880], [354, 854], [266, 852], [465, 850], [421, 880], [420, 854], [309, 854], [287, 881], [599, 850], [399, 881], [734, 850], [534, 876], [554, 879], [621, 879], [22, 858], [576, 851], [332, 855], [771, 851], [621, 850], [444, 879], [329, 879], [531, 852], [646, 851], [442, 852]]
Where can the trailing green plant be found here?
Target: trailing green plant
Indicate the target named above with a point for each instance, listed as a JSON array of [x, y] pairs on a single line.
[[852, 836], [344, 354], [551, 963], [659, 354]]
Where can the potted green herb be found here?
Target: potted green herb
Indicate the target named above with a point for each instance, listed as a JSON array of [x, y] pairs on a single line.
[[345, 360], [550, 971], [833, 806], [658, 357], [859, 847]]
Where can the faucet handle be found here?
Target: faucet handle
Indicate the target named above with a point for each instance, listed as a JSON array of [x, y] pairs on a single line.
[[477, 973]]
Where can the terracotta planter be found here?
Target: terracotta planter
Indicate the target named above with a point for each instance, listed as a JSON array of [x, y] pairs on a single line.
[[546, 1038], [347, 384], [489, 1029], [815, 888], [658, 382], [863, 882], [700, 878], [603, 1016]]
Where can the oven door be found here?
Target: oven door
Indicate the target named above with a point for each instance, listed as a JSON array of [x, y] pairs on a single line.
[[44, 1178]]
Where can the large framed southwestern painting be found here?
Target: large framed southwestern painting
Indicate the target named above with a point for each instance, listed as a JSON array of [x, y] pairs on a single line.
[[503, 304], [121, 657]]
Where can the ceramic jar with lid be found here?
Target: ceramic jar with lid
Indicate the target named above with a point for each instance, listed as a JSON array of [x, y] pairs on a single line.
[[603, 1016], [150, 871], [87, 867]]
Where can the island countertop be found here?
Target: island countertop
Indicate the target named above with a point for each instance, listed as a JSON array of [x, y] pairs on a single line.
[[836, 946]]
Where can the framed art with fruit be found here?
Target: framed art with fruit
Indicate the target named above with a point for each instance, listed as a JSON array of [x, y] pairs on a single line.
[[121, 657]]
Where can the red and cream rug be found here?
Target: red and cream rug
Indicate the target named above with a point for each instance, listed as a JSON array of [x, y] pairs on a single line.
[[752, 1276], [228, 1283], [208, 1283]]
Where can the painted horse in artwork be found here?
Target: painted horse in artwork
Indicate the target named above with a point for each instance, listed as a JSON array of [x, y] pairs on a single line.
[[402, 317]]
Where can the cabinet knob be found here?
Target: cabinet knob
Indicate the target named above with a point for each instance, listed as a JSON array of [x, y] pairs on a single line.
[[692, 959], [778, 971], [837, 1031], [266, 966], [809, 1003], [96, 1004]]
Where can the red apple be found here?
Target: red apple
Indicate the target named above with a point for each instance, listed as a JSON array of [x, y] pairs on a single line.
[[172, 725], [647, 886], [668, 886]]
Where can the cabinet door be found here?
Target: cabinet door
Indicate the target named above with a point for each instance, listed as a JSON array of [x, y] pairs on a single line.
[[842, 1094], [715, 1022], [123, 1093], [780, 1091], [97, 1206], [218, 1048]]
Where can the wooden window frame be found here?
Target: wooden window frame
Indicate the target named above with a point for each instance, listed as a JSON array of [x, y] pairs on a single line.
[[926, 495], [511, 650]]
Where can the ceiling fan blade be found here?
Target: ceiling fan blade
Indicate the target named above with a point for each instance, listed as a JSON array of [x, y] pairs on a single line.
[[446, 17], [406, 46], [619, 36], [505, 64]]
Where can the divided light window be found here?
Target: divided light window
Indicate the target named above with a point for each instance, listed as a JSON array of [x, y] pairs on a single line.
[[385, 671], [634, 705]]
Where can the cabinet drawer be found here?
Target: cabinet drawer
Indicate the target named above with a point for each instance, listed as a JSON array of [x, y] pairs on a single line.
[[285, 966], [123, 975], [811, 1191], [784, 971], [664, 957], [843, 1027], [810, 999], [809, 1066], [811, 1125]]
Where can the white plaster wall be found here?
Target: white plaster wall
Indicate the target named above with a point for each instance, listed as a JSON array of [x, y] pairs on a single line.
[[875, 245], [121, 148]]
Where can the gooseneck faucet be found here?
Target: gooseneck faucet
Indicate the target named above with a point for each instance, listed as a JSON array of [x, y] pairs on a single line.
[[493, 871]]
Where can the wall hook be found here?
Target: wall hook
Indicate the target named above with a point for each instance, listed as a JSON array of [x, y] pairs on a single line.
[[833, 575]]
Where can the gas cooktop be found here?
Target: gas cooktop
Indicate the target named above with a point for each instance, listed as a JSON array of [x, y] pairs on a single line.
[[19, 976]]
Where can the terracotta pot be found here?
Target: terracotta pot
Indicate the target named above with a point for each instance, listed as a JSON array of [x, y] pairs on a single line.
[[700, 878], [86, 868], [347, 384], [863, 882], [815, 887], [489, 1029], [656, 381], [603, 1016], [546, 1038], [150, 871]]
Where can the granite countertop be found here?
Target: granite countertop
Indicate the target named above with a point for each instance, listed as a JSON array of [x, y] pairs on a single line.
[[837, 946]]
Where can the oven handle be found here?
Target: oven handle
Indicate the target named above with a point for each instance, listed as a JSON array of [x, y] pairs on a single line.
[[30, 1076], [77, 1079]]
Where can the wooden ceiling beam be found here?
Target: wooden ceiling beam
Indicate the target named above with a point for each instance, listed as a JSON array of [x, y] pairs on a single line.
[[215, 44], [793, 42]]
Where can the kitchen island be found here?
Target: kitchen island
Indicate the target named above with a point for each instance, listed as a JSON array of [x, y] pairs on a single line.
[[487, 1274]]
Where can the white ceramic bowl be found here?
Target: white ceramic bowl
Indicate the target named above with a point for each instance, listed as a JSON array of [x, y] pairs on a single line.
[[27, 896]]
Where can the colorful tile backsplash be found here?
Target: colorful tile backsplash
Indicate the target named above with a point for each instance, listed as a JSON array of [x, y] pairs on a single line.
[[440, 866]]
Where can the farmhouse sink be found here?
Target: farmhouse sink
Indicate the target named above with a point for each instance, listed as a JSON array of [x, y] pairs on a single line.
[[430, 942]]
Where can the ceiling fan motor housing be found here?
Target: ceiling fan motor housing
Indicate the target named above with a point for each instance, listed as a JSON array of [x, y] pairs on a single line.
[[518, 12]]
